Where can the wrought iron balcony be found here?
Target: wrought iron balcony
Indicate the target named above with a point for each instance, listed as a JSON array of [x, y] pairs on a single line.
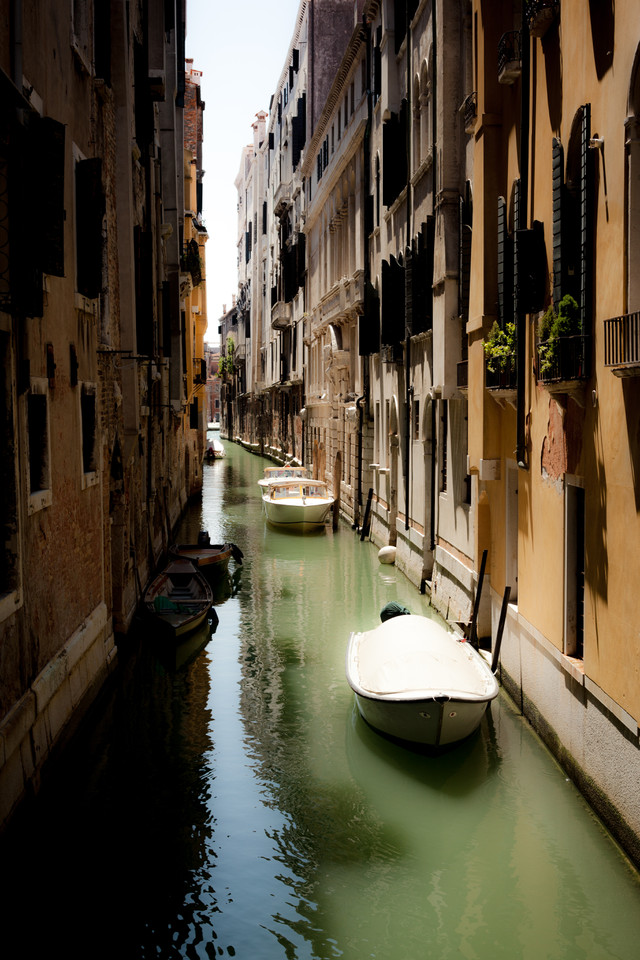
[[509, 57], [502, 379], [469, 110], [622, 345], [564, 358], [540, 15], [190, 261]]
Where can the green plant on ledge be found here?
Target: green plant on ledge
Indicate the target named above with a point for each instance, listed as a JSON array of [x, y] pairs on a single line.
[[500, 348], [552, 329], [225, 363]]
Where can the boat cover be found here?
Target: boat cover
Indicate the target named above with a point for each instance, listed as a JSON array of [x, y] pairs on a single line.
[[411, 655]]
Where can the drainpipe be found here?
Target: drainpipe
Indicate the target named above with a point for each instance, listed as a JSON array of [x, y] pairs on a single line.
[[521, 319], [408, 280]]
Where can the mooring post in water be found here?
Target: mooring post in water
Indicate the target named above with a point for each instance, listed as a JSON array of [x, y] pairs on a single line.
[[337, 476], [367, 515], [503, 615], [473, 634]]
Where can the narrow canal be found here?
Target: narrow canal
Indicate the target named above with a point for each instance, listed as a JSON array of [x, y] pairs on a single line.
[[227, 801]]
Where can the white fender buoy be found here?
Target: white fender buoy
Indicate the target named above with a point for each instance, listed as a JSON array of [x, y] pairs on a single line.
[[387, 555]]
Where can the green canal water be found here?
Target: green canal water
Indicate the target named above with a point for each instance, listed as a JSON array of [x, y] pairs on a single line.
[[226, 800]]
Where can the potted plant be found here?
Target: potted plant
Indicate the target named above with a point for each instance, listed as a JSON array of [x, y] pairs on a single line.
[[555, 348], [500, 354], [225, 363]]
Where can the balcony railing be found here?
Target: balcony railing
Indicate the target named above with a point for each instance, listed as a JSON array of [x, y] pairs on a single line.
[[506, 379], [281, 197], [509, 57], [540, 15], [565, 358], [622, 345], [469, 110], [280, 315]]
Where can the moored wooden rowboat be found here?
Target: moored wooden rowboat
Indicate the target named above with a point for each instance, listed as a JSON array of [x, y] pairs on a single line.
[[416, 681], [179, 598], [209, 558]]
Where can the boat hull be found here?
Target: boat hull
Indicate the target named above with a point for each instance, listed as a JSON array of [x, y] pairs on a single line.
[[179, 599], [415, 681], [302, 515], [426, 722], [206, 559]]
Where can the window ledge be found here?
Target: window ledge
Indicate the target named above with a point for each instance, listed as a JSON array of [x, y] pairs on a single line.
[[39, 501], [90, 479]]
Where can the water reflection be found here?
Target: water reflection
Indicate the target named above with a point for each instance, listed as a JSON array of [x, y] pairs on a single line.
[[232, 802]]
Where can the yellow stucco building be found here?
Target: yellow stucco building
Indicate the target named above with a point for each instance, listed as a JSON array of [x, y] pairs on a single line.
[[553, 386]]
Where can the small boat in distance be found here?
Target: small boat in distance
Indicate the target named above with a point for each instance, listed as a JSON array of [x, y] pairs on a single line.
[[209, 558], [300, 504], [179, 598], [416, 681], [289, 471]]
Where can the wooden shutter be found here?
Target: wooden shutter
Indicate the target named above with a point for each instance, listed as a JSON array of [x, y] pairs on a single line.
[[557, 185], [586, 219], [50, 146], [369, 323], [464, 256], [90, 208], [393, 302], [505, 266]]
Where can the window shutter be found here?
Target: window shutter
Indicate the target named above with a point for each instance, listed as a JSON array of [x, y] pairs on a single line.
[[377, 64], [90, 208], [369, 323], [301, 247], [557, 185], [464, 256], [586, 195], [517, 186], [505, 266], [393, 302], [423, 277], [50, 140]]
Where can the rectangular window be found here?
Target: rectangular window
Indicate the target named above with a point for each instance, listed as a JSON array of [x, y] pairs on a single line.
[[88, 423], [9, 539], [444, 445], [39, 444]]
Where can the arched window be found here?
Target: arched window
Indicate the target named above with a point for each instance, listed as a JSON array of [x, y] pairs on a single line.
[[417, 123], [426, 129]]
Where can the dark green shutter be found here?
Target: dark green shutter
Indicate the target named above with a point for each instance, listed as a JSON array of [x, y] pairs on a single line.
[[369, 323], [586, 194], [557, 186], [90, 208], [50, 186]]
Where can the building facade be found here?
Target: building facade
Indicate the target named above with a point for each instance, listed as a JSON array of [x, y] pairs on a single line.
[[553, 366], [468, 313], [100, 454]]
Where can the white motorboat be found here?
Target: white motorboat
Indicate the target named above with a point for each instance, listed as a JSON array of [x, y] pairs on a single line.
[[298, 503], [416, 681], [288, 471]]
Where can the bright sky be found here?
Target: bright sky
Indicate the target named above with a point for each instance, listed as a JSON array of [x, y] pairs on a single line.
[[240, 46]]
